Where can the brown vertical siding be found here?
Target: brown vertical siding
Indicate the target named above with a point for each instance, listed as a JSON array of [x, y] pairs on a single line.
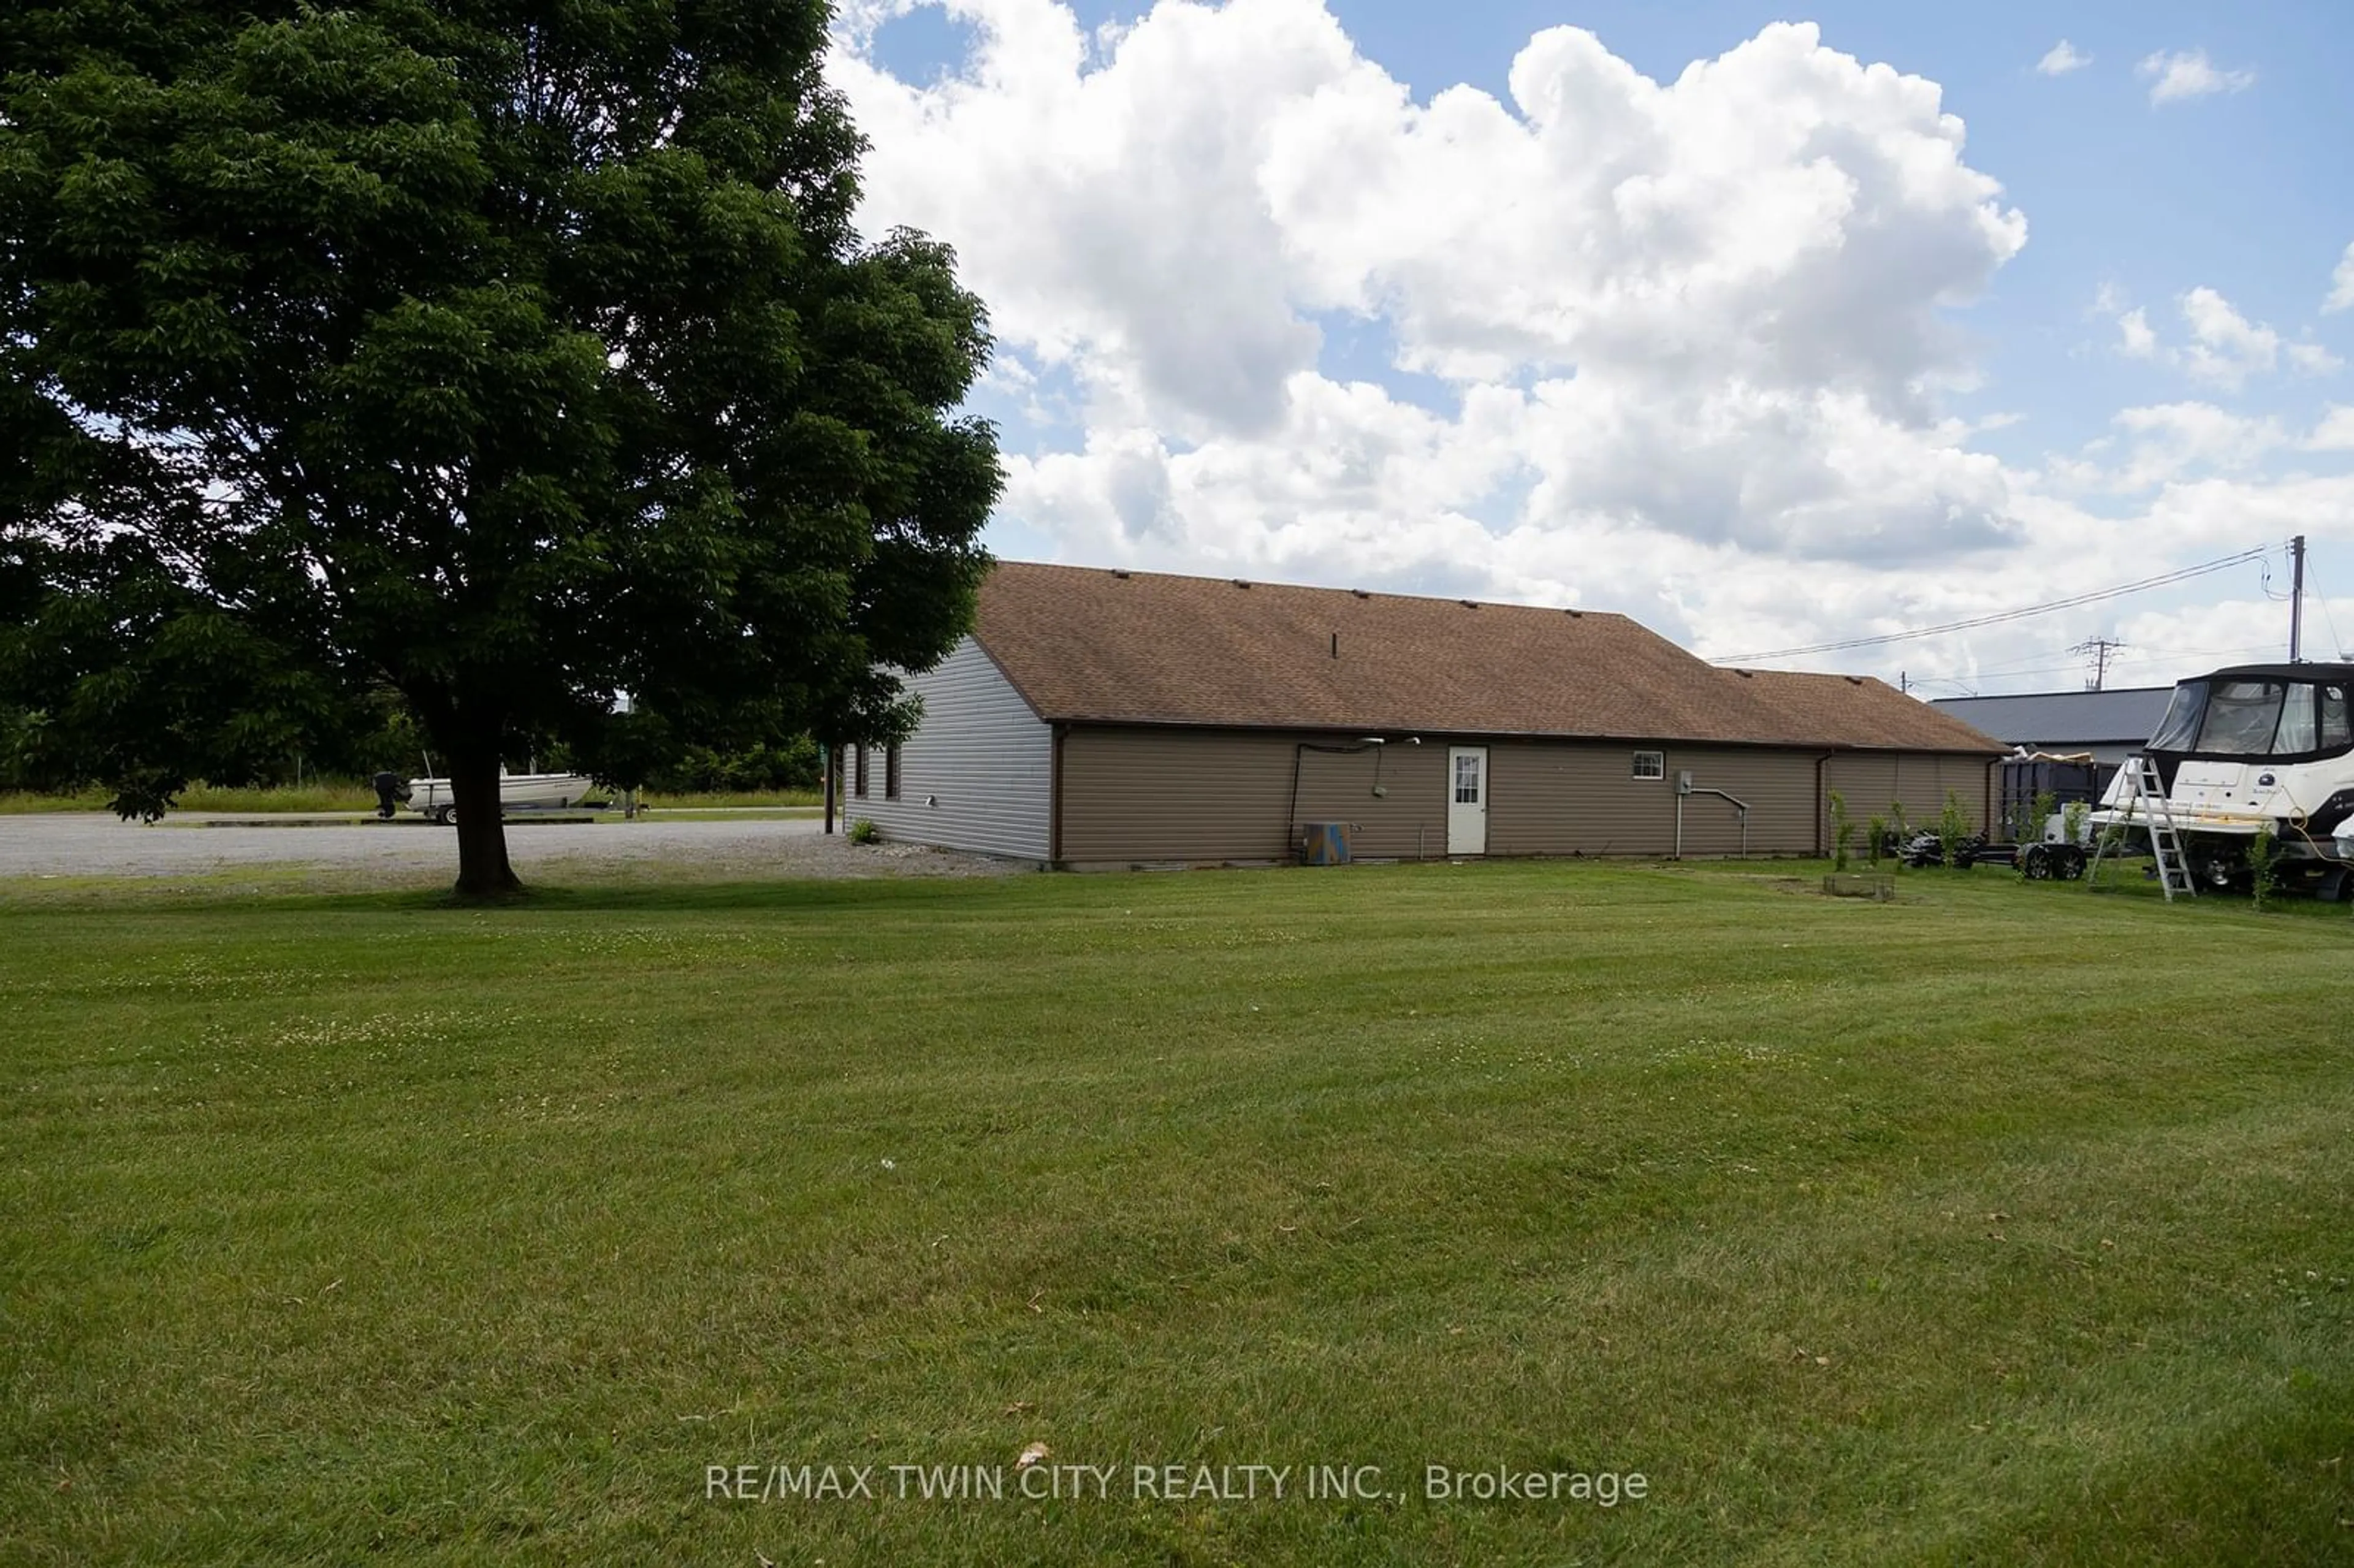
[[1582, 798], [1965, 778], [1408, 821], [1778, 787], [1563, 797], [1054, 797], [1972, 777], [1871, 782], [1135, 794]]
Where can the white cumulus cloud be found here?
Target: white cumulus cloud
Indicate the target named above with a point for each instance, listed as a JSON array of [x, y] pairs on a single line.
[[2341, 283], [2335, 433], [1713, 308], [1682, 348], [2135, 334], [2165, 440], [2224, 348], [2061, 59], [2188, 73]]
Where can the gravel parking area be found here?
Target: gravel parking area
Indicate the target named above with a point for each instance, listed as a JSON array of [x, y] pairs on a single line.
[[364, 852]]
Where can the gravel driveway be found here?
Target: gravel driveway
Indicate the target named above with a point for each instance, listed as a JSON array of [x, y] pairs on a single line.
[[364, 852]]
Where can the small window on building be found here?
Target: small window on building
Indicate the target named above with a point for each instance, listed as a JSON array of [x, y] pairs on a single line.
[[1650, 765], [858, 772], [890, 773]]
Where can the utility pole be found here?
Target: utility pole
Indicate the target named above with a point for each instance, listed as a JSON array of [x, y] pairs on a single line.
[[2297, 599], [2100, 647]]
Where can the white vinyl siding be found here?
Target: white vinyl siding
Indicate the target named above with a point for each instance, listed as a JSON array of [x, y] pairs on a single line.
[[978, 774]]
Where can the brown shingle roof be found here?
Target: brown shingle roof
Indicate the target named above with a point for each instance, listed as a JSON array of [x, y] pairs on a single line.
[[1859, 711], [1086, 644]]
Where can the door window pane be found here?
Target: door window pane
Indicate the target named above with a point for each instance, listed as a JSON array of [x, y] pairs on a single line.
[[2296, 721], [1466, 780], [2178, 731], [2334, 731]]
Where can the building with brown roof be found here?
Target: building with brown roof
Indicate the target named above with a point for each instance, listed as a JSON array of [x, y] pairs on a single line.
[[1104, 717]]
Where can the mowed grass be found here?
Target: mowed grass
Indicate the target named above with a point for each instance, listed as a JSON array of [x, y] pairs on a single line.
[[2003, 1225]]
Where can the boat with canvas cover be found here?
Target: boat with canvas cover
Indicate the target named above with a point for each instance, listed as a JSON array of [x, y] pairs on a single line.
[[2247, 748]]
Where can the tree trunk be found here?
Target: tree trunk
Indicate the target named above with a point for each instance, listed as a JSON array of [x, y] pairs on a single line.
[[482, 868]]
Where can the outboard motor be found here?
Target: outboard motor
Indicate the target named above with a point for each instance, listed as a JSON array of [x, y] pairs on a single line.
[[391, 789]]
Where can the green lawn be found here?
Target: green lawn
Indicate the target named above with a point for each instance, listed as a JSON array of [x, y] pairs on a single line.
[[2003, 1225]]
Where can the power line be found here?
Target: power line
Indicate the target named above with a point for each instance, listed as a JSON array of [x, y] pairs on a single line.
[[2163, 657], [2100, 647], [2331, 621], [2073, 601], [2018, 665], [2315, 594]]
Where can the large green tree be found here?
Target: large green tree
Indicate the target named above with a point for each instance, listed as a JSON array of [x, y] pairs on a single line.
[[512, 354]]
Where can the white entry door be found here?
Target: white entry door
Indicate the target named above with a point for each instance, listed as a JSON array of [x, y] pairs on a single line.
[[1467, 800]]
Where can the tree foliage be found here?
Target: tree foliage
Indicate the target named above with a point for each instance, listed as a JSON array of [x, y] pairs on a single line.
[[507, 355]]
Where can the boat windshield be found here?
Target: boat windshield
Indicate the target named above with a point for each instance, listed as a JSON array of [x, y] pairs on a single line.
[[2178, 731], [2255, 717]]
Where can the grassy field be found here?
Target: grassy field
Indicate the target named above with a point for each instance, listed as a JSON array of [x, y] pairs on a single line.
[[2002, 1224], [347, 796], [731, 800], [332, 795]]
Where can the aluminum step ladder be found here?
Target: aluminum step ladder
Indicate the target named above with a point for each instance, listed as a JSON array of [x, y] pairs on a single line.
[[2146, 795]]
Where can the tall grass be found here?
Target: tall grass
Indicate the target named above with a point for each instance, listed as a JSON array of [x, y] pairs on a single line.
[[348, 795], [329, 795]]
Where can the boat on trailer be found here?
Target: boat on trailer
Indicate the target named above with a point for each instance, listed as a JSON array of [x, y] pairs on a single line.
[[2253, 747], [518, 792]]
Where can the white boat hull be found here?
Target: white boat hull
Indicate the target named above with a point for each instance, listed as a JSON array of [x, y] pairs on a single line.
[[517, 792], [2253, 750]]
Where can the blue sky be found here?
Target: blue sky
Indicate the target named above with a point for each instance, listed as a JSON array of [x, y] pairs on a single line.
[[2147, 381]]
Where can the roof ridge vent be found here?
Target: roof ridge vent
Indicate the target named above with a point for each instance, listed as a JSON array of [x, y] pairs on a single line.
[[1744, 674], [1855, 680], [1120, 573], [1573, 614], [1241, 582], [1360, 593], [1469, 603]]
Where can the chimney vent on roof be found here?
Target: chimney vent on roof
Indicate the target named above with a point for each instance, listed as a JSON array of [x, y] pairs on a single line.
[[1119, 574], [1360, 593], [1471, 604], [1241, 583], [1574, 614]]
